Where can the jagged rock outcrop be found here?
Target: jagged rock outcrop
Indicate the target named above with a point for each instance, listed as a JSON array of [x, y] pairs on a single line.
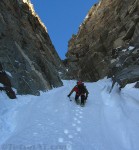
[[124, 67], [108, 25], [26, 51], [6, 84]]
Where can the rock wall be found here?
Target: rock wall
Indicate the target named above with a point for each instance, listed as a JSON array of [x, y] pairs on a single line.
[[26, 51], [5, 84], [108, 25], [124, 67]]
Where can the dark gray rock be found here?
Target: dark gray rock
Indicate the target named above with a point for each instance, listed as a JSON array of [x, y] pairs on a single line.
[[6, 84], [124, 68], [137, 85], [109, 25], [26, 50]]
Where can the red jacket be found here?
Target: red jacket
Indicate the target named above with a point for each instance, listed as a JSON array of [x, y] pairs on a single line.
[[76, 89]]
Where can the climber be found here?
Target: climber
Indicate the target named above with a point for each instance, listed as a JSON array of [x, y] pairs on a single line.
[[80, 90]]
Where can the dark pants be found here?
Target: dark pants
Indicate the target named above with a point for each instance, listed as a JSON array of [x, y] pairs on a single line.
[[82, 98]]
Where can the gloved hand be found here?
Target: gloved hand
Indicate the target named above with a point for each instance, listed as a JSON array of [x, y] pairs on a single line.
[[68, 95]]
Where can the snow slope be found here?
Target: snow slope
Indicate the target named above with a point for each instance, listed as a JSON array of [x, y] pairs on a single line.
[[109, 121]]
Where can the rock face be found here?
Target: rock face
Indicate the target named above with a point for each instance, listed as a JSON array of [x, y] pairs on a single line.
[[108, 25], [124, 67], [6, 84], [26, 51]]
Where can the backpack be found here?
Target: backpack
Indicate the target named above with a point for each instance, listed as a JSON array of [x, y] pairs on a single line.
[[82, 89]]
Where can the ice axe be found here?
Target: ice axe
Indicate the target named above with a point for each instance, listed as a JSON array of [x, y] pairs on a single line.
[[69, 98]]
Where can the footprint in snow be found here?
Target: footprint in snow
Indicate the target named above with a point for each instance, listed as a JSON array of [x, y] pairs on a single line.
[[78, 129], [69, 146], [35, 133], [60, 140], [73, 124], [66, 131], [75, 118], [78, 121], [70, 136]]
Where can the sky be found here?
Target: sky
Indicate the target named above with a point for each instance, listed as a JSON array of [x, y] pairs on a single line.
[[62, 19]]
